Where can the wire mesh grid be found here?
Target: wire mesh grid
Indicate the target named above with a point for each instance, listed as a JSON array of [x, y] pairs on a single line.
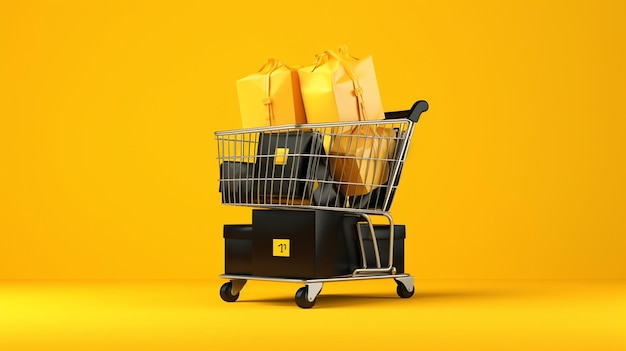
[[347, 166]]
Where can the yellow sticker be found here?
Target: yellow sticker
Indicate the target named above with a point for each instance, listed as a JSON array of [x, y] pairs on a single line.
[[281, 155], [281, 247]]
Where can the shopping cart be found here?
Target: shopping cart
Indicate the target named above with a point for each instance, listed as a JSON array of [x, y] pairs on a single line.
[[332, 176]]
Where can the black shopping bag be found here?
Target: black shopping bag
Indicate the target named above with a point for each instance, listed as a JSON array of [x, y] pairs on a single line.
[[281, 165], [236, 182], [321, 188]]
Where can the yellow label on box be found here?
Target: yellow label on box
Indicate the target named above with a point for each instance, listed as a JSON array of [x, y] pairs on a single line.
[[281, 247], [281, 155]]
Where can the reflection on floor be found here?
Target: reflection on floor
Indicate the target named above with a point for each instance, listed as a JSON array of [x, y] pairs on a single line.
[[365, 315]]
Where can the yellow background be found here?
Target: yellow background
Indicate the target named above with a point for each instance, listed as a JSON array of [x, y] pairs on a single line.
[[108, 108]]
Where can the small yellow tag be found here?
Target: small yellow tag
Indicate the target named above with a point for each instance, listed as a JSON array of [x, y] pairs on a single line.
[[281, 247], [281, 155]]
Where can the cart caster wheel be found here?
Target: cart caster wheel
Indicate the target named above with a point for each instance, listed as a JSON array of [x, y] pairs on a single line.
[[226, 292], [301, 298], [403, 292]]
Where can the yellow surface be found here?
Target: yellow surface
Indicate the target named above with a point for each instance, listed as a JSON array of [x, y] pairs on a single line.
[[107, 109], [366, 315]]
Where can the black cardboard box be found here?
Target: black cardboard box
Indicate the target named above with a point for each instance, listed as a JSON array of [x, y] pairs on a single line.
[[238, 248], [303, 244], [382, 238]]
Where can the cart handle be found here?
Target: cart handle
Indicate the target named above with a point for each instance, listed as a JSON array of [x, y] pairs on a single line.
[[413, 114]]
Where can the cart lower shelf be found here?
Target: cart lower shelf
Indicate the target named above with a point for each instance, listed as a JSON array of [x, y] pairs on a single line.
[[305, 296]]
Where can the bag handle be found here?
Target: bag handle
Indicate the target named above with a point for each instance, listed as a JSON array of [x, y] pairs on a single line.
[[267, 69], [270, 66], [358, 90], [343, 51]]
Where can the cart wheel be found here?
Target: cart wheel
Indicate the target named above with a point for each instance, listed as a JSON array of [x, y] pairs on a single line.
[[403, 292], [301, 298], [226, 292]]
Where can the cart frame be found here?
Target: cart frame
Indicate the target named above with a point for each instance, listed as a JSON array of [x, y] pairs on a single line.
[[239, 147]]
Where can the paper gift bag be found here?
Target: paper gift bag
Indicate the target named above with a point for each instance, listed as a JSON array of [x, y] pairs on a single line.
[[360, 157], [339, 87], [375, 199], [271, 96]]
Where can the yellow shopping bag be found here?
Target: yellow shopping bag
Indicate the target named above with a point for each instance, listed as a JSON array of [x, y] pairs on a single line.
[[271, 96], [359, 157], [339, 87]]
